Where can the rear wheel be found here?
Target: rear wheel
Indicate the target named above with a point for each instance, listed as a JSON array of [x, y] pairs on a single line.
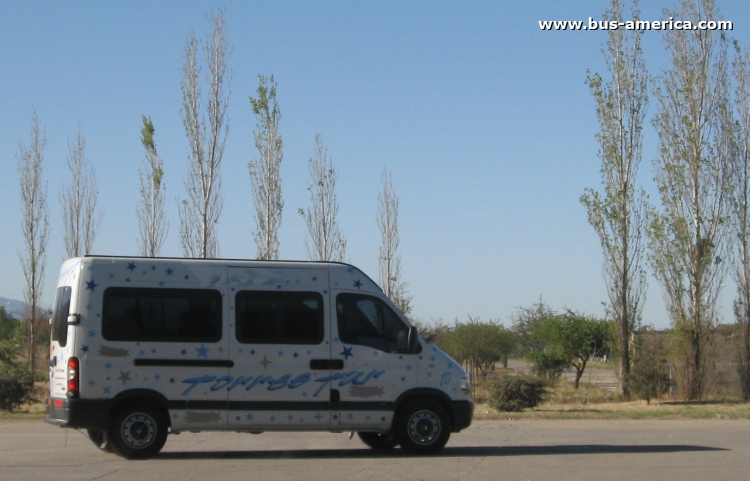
[[378, 441], [423, 427], [138, 431]]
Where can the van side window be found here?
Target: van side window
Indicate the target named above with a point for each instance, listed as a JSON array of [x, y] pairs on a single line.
[[368, 321], [272, 317], [60, 316], [158, 315]]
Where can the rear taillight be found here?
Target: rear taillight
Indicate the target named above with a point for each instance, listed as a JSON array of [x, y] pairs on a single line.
[[73, 377]]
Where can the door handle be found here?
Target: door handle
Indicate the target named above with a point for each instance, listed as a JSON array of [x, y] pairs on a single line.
[[326, 364]]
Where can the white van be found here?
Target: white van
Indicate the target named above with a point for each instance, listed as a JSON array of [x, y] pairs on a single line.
[[142, 347]]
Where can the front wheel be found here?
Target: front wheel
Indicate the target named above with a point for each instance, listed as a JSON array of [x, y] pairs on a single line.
[[378, 441], [138, 431], [423, 427]]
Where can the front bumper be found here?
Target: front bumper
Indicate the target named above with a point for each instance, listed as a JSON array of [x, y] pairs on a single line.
[[463, 411]]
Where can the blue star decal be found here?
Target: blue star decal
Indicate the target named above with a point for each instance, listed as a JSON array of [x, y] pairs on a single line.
[[153, 268], [350, 270], [171, 380], [169, 271], [84, 348], [296, 355], [88, 307], [127, 279], [273, 419], [408, 367], [183, 352], [157, 377], [111, 275], [202, 351], [131, 266], [108, 366], [91, 285], [187, 277], [249, 417], [161, 283], [318, 417], [347, 352], [281, 353], [315, 279], [107, 390], [92, 333], [357, 284]]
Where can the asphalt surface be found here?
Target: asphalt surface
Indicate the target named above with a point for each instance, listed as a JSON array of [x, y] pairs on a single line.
[[488, 450]]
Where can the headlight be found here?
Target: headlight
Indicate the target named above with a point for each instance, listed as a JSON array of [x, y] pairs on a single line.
[[465, 385]]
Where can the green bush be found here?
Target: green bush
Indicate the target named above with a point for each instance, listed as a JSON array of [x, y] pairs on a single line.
[[516, 393], [16, 382], [15, 392]]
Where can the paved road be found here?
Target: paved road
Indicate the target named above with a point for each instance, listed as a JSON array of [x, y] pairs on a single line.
[[489, 450]]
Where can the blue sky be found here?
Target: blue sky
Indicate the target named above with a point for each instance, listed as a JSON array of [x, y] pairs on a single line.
[[484, 120]]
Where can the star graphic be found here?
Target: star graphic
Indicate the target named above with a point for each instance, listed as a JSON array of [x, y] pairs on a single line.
[[347, 352], [84, 348], [91, 383], [169, 271], [350, 416], [357, 284], [296, 355], [131, 266], [281, 353], [161, 283], [350, 270], [92, 333], [265, 362], [91, 285], [127, 279], [107, 390], [249, 417], [153, 268], [183, 352], [171, 380], [124, 377], [318, 417], [202, 351]]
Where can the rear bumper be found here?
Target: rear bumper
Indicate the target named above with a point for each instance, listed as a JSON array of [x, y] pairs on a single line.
[[463, 411], [79, 413]]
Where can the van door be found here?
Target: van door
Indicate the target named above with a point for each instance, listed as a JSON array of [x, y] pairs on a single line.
[[372, 341], [279, 343]]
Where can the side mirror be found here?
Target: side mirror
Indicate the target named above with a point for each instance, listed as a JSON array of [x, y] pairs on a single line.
[[74, 319], [412, 342]]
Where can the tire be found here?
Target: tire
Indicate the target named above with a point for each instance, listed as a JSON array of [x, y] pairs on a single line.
[[138, 431], [377, 441], [100, 440], [422, 427]]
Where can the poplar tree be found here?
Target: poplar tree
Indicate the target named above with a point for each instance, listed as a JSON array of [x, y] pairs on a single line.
[[34, 226], [617, 213], [150, 210], [688, 238], [206, 133], [78, 202], [326, 242], [265, 172]]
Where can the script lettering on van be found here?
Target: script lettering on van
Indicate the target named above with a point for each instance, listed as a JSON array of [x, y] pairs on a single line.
[[355, 378]]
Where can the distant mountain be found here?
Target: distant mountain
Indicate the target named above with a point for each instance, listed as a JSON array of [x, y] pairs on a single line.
[[13, 307]]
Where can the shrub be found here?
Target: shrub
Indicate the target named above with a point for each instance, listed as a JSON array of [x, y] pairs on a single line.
[[516, 393], [16, 391], [16, 382]]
